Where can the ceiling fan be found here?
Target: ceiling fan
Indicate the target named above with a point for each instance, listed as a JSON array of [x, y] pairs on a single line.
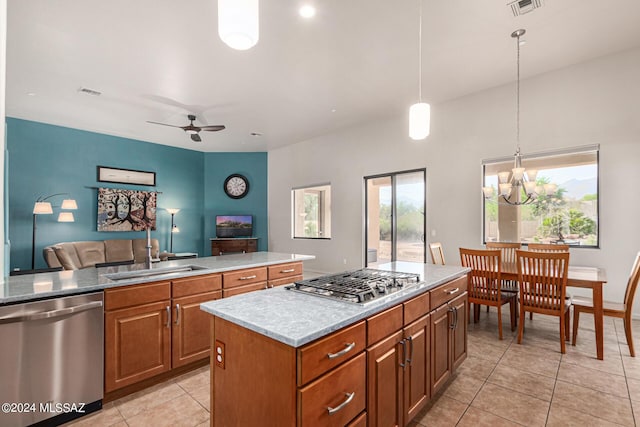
[[193, 130]]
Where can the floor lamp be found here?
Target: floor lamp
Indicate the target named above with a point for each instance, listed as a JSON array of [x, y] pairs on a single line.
[[43, 207], [174, 228]]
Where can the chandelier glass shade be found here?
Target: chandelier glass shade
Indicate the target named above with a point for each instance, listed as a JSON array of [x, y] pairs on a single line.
[[239, 23]]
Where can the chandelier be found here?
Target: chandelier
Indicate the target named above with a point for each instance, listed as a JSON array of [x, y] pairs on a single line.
[[518, 187]]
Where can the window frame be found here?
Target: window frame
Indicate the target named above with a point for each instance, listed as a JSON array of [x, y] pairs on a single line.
[[595, 148], [321, 210]]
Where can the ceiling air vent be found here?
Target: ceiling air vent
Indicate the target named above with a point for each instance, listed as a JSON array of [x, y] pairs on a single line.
[[88, 91], [520, 7]]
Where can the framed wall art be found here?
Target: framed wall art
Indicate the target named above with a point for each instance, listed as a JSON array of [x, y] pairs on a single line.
[[126, 210], [126, 176]]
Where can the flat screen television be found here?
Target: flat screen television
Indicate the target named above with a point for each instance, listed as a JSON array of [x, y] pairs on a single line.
[[234, 225]]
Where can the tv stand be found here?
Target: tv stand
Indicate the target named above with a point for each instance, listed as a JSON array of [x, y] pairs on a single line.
[[221, 246]]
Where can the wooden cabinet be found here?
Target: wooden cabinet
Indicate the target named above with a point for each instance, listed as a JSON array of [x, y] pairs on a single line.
[[417, 387], [384, 382], [153, 328], [137, 333], [233, 245], [448, 340], [242, 281]]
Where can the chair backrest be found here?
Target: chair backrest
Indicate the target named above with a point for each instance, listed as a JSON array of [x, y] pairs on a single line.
[[508, 251], [437, 256], [484, 280], [548, 247], [632, 284], [542, 277]]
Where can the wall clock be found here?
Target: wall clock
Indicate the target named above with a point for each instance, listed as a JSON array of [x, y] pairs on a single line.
[[236, 186]]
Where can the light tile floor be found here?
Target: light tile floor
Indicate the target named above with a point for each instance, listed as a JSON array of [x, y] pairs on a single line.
[[501, 383]]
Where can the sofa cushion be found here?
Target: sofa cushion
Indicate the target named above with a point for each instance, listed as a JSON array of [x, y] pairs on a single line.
[[67, 256], [90, 253], [118, 250], [51, 258], [140, 249]]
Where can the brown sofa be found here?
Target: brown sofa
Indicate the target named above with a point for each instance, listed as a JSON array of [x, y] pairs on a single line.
[[77, 255]]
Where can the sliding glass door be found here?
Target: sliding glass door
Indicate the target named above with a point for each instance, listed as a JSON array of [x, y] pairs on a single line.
[[395, 217]]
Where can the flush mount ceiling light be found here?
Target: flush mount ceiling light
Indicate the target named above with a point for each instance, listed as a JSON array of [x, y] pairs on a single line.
[[419, 113], [238, 23], [307, 11]]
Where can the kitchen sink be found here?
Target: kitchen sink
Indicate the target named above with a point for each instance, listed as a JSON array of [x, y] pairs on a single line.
[[152, 272]]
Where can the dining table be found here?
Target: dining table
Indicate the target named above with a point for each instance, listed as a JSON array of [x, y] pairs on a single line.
[[579, 277]]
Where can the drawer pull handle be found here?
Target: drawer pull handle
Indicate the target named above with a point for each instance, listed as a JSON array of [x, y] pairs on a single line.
[[346, 350], [289, 270], [350, 397], [168, 316], [452, 291], [177, 314], [248, 277]]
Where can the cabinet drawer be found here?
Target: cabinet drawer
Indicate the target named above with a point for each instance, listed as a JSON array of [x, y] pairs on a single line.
[[384, 324], [252, 245], [284, 281], [196, 285], [129, 296], [232, 246], [416, 307], [285, 270], [244, 277], [226, 293], [318, 357], [448, 291], [360, 421], [342, 389]]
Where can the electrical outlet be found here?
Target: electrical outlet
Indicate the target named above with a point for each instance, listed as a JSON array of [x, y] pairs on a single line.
[[219, 354]]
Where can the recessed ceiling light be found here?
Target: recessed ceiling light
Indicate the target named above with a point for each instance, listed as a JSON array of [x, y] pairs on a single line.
[[31, 94], [333, 110], [307, 11]]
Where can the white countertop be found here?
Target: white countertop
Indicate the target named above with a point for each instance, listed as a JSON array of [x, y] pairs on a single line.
[[46, 285], [296, 319]]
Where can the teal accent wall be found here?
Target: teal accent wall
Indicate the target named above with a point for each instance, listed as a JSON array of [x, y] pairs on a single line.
[[218, 166], [46, 159]]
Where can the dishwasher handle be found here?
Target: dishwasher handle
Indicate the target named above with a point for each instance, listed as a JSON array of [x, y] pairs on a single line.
[[51, 314]]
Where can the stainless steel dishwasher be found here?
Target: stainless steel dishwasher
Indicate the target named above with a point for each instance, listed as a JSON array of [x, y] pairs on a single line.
[[51, 359]]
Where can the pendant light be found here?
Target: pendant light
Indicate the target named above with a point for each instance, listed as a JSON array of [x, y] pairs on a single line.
[[419, 113], [238, 23]]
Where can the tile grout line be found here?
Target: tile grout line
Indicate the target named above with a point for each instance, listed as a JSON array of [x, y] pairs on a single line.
[[626, 380]]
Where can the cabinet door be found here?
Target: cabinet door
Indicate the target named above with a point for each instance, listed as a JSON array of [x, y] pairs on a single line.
[[384, 382], [191, 335], [459, 339], [416, 373], [137, 344], [440, 348]]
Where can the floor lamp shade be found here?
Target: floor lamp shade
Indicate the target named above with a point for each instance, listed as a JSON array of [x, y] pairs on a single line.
[[42, 208], [419, 120], [239, 23]]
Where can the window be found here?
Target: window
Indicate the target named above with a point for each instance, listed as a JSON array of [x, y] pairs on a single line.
[[312, 212], [565, 212]]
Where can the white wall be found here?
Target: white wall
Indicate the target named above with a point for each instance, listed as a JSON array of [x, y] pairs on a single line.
[[593, 102]]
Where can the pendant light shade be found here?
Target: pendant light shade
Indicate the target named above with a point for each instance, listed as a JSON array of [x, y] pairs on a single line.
[[419, 120], [238, 23], [420, 112]]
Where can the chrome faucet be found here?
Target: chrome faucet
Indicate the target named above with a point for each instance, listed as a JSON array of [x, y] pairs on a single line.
[[147, 260]]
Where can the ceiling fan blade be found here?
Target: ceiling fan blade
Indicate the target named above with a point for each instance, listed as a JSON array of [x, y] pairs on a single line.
[[213, 128], [164, 124], [195, 137]]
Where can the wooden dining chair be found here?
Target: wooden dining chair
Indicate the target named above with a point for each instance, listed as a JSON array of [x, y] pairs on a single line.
[[548, 247], [437, 256], [484, 283], [542, 277], [621, 311], [508, 254]]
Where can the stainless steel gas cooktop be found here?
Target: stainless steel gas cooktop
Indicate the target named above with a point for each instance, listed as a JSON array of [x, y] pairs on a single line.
[[359, 286]]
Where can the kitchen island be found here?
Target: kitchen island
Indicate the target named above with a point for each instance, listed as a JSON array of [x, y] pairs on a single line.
[[297, 359]]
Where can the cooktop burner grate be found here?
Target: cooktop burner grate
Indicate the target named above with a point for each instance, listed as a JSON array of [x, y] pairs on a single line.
[[356, 286]]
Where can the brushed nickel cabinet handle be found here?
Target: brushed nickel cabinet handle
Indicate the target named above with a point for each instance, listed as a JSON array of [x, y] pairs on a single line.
[[168, 316], [452, 291], [350, 397], [408, 359], [289, 270], [177, 314], [404, 353], [248, 277], [346, 350]]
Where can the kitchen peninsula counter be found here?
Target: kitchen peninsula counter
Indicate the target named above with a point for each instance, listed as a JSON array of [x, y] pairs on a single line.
[[69, 282]]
